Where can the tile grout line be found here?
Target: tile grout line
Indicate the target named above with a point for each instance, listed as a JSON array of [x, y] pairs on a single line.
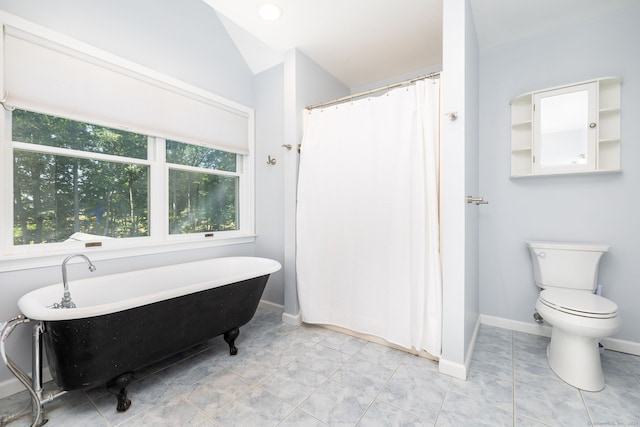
[[513, 378], [86, 395], [295, 407], [378, 393], [518, 376], [586, 407]]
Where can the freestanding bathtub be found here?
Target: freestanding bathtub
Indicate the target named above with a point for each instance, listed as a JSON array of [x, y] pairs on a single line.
[[124, 322]]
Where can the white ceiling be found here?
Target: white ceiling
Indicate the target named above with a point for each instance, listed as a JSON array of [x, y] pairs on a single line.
[[366, 41], [357, 41]]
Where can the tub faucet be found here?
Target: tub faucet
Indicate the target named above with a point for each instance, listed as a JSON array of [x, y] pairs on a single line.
[[66, 299]]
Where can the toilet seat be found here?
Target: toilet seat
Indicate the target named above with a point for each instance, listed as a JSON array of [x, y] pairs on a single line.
[[579, 303]]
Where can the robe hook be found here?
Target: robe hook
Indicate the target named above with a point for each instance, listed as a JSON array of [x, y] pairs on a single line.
[[3, 102]]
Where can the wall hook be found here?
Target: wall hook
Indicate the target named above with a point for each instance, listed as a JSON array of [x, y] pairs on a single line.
[[3, 102], [289, 146], [271, 161]]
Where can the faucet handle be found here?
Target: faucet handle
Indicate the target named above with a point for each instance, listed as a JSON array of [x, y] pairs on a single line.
[[66, 300]]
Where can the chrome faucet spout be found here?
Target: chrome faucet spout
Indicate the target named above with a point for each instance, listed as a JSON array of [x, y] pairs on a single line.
[[66, 298]]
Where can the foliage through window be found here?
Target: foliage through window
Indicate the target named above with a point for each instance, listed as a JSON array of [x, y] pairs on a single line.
[[200, 198], [72, 179]]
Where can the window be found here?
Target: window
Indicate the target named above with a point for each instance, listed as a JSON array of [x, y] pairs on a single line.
[[73, 179], [202, 197], [106, 154], [76, 181]]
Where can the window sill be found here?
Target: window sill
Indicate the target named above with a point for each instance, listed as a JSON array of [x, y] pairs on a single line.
[[52, 258]]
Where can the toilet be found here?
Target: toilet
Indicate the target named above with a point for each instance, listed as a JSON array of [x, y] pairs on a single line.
[[567, 274]]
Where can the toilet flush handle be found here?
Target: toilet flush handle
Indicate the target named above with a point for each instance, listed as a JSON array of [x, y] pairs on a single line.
[[542, 254]]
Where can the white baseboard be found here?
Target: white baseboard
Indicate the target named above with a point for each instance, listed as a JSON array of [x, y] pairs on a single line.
[[271, 306], [453, 369], [614, 344], [472, 345], [516, 325], [13, 386], [459, 370], [622, 346], [288, 319], [292, 319]]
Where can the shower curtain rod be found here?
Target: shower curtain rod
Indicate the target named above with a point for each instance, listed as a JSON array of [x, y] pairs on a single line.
[[371, 91]]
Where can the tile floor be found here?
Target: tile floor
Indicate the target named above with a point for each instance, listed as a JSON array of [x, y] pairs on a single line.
[[309, 376]]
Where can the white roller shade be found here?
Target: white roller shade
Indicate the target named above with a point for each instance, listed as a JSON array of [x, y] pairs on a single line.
[[45, 76]]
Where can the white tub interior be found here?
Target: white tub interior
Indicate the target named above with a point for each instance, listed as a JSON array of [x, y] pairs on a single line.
[[111, 293]]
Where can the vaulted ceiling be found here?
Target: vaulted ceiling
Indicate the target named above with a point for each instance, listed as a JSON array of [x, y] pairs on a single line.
[[364, 41]]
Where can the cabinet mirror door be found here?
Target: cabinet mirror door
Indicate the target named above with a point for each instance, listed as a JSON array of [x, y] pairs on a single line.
[[565, 129]]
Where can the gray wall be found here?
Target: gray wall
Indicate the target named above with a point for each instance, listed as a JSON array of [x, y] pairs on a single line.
[[153, 34], [599, 208], [306, 83], [269, 110]]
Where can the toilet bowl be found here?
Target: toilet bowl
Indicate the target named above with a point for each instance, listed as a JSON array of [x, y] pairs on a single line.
[[577, 328], [567, 275]]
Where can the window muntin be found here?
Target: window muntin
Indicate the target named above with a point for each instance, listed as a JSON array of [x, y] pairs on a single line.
[[63, 187]]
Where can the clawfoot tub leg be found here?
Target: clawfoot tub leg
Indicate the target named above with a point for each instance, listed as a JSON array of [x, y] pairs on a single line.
[[230, 338], [118, 387]]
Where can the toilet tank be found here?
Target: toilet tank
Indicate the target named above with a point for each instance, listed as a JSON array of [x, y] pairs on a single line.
[[566, 265]]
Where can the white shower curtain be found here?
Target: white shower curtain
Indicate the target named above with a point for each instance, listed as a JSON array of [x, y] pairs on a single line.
[[368, 255]]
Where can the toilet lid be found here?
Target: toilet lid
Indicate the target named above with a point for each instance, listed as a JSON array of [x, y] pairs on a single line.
[[579, 303]]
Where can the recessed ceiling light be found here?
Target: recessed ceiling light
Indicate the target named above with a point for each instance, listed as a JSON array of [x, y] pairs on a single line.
[[269, 12]]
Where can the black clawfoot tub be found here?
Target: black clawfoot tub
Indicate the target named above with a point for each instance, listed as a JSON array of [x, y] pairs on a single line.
[[127, 321]]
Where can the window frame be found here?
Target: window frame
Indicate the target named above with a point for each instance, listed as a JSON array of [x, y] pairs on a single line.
[[241, 168], [159, 239]]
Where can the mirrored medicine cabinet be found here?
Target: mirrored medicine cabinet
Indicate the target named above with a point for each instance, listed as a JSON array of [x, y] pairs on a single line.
[[568, 129]]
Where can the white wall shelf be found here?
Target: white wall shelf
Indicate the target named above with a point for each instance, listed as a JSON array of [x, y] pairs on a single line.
[[607, 151], [521, 135]]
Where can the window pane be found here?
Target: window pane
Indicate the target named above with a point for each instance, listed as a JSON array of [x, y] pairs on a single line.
[[57, 196], [41, 129], [201, 202], [194, 155]]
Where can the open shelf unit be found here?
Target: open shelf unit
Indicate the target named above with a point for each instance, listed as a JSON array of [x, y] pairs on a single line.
[[521, 135], [608, 140]]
